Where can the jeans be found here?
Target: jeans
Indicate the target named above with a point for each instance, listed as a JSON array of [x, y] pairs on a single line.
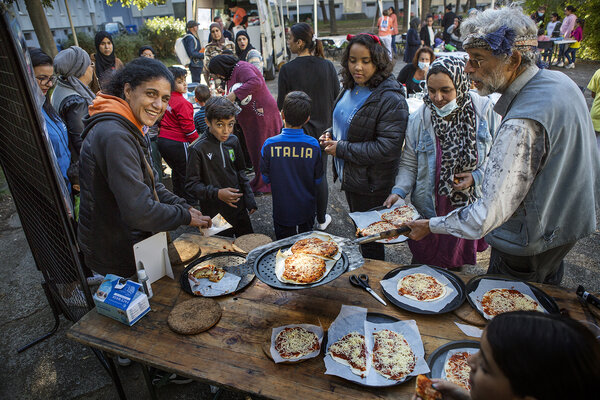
[[322, 191], [282, 231], [570, 54], [561, 52], [196, 73]]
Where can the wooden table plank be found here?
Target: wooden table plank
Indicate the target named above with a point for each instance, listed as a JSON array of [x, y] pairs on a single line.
[[230, 354]]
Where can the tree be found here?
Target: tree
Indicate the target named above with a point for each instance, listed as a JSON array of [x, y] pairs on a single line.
[[406, 18], [332, 19], [458, 11], [426, 8], [323, 11], [472, 4], [141, 4], [35, 9]]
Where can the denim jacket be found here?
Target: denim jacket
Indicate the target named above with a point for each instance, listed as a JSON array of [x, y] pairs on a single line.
[[418, 162]]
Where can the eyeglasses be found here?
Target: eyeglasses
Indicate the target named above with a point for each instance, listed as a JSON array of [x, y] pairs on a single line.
[[45, 80], [475, 63]]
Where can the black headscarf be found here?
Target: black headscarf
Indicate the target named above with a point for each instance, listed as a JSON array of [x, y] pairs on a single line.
[[222, 65], [103, 63], [144, 48], [242, 54]]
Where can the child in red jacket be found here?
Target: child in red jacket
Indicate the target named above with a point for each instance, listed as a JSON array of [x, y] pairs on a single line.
[[177, 131]]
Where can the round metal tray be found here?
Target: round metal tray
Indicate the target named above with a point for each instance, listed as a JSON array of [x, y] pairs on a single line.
[[546, 300], [234, 263], [457, 284], [438, 357], [264, 268]]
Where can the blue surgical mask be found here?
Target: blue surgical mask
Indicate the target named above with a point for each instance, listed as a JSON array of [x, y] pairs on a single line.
[[423, 65], [445, 110], [541, 14]]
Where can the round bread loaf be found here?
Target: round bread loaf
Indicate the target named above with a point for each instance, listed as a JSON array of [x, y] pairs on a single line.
[[251, 241], [194, 316]]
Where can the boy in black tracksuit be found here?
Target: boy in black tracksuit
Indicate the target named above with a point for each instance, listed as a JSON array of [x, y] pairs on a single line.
[[215, 170]]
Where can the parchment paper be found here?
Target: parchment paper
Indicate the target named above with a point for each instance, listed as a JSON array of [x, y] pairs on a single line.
[[485, 285], [469, 330], [410, 331], [364, 219], [350, 319], [469, 350], [391, 287], [317, 330], [219, 224], [205, 287]]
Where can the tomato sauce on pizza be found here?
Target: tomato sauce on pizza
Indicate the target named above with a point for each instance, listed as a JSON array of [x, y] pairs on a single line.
[[498, 301], [392, 356], [457, 369], [296, 342], [351, 350], [421, 287]]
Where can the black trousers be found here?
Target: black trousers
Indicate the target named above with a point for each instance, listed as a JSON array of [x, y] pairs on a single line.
[[547, 267], [241, 225], [323, 191], [282, 232], [364, 202], [175, 154]]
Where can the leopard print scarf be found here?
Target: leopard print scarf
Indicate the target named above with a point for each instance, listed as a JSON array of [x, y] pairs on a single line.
[[457, 134]]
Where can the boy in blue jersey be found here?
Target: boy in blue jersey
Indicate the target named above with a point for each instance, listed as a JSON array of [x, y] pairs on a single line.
[[291, 163]]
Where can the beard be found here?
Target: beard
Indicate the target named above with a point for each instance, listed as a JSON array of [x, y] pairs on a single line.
[[495, 82]]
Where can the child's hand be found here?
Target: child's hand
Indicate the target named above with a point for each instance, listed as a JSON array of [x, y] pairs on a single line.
[[230, 196], [252, 211]]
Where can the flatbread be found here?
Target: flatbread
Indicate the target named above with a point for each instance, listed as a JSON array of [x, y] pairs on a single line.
[[392, 356], [399, 216], [425, 390], [194, 316], [376, 227], [421, 287], [498, 301], [295, 342], [351, 351], [303, 268], [315, 246], [207, 271], [457, 369]]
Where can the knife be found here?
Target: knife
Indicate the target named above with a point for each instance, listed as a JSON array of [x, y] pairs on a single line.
[[383, 235]]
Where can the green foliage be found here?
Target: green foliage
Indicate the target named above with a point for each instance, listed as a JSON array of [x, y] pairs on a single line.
[[86, 42], [141, 4], [586, 9], [161, 33], [126, 46]]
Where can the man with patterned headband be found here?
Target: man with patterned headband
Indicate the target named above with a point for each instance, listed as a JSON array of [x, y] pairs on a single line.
[[540, 185]]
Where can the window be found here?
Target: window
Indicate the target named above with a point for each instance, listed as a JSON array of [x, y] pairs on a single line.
[[275, 16], [66, 32], [28, 36], [53, 34]]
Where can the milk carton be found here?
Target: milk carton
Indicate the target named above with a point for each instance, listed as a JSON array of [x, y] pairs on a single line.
[[121, 299]]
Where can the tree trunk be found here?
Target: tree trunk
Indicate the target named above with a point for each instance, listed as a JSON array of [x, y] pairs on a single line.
[[472, 4], [458, 11], [323, 11], [406, 18], [426, 4], [41, 27], [332, 19]]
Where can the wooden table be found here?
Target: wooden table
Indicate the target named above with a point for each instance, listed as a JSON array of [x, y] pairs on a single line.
[[230, 354]]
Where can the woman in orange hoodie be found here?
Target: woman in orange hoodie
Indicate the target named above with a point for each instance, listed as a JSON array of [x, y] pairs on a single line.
[[121, 200]]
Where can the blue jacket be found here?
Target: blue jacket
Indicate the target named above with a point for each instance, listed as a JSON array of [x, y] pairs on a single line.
[[291, 162], [192, 47], [418, 162], [57, 131]]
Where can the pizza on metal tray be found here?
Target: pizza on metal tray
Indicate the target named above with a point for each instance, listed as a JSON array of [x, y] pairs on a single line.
[[351, 350], [457, 369], [296, 342], [498, 301], [421, 287], [315, 246], [303, 268], [392, 356]]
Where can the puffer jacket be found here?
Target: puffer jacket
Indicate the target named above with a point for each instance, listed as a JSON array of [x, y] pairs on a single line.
[[118, 207], [372, 150]]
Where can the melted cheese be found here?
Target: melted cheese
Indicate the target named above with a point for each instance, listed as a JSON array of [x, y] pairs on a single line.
[[296, 342], [420, 284], [393, 356], [457, 369], [498, 301], [351, 346]]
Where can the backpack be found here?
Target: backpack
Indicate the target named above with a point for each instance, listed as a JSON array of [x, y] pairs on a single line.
[[180, 50]]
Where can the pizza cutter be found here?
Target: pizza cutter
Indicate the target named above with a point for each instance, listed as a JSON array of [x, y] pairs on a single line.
[[383, 235]]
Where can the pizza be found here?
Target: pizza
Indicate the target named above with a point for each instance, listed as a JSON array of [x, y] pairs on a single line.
[[315, 246], [457, 369], [374, 228], [303, 268], [392, 356], [498, 301], [296, 342], [421, 287], [351, 350], [424, 389], [209, 271], [399, 216]]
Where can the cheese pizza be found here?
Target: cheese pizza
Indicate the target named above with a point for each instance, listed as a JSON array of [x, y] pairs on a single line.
[[457, 369], [425, 389], [209, 271], [315, 246], [421, 287], [392, 356], [303, 268], [399, 216], [351, 350], [296, 342], [498, 301], [376, 227]]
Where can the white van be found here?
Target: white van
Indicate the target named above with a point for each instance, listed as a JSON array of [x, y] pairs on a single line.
[[265, 28]]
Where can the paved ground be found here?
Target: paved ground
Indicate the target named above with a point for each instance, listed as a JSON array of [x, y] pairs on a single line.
[[60, 369]]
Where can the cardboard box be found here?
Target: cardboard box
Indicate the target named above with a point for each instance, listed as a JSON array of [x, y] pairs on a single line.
[[121, 299]]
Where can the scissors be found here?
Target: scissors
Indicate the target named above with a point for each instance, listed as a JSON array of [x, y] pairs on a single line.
[[362, 281]]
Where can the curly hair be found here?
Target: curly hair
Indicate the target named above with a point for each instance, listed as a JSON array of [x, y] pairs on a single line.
[[135, 73], [379, 57]]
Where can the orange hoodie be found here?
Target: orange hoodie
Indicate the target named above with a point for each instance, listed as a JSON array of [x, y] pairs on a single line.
[[104, 103]]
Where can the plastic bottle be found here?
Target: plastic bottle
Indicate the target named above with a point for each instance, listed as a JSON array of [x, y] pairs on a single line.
[[145, 282]]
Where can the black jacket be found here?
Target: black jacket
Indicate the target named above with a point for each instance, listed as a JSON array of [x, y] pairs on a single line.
[[372, 150], [118, 207], [426, 37], [214, 165]]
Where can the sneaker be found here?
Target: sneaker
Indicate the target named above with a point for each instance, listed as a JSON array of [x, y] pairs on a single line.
[[560, 64], [324, 225], [162, 378], [555, 63], [95, 280], [123, 362], [570, 66]]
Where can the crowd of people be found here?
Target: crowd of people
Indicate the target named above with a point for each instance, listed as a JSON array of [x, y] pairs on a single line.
[[473, 165]]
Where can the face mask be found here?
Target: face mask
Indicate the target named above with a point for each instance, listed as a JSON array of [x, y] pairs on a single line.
[[446, 110], [541, 14], [423, 65]]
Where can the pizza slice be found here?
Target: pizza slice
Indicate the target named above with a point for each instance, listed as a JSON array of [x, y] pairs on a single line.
[[295, 342], [421, 287], [376, 227], [425, 389], [351, 350], [399, 216], [209, 271], [315, 246], [498, 301], [457, 369], [392, 356]]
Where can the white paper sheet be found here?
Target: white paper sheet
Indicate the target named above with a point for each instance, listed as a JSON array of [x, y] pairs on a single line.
[[391, 287], [219, 224], [450, 353], [470, 330], [204, 287], [364, 219], [485, 285], [317, 330]]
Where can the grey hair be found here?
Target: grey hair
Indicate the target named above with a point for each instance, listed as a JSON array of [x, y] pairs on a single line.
[[512, 17]]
